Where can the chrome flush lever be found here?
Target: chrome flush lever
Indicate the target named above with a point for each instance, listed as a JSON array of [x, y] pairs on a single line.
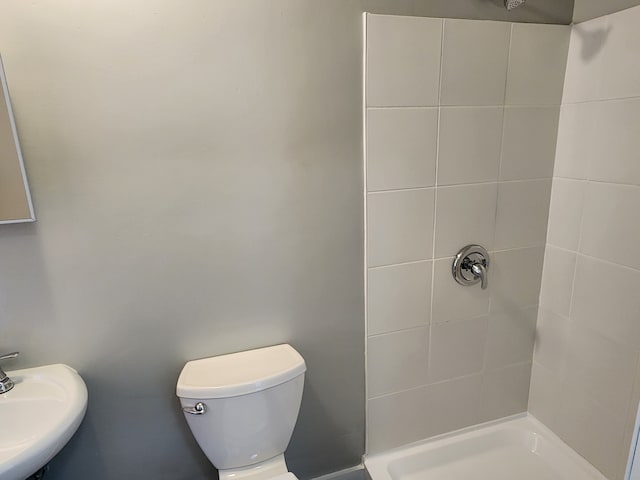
[[471, 266], [198, 409]]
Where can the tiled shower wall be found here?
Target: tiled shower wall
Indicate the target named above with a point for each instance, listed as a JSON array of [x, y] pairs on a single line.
[[586, 381], [461, 126]]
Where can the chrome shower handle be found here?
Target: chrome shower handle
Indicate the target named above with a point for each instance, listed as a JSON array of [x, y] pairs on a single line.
[[471, 266], [479, 270]]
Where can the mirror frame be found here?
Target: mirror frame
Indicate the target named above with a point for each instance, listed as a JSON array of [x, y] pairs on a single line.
[[16, 142]]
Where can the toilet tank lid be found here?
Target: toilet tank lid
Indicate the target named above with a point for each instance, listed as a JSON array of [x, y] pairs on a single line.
[[239, 373]]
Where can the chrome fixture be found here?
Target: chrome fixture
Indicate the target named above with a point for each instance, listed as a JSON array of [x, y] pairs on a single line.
[[6, 383], [511, 4], [471, 266], [199, 409]]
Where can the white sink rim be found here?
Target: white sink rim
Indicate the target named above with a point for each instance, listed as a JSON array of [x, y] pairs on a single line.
[[28, 457]]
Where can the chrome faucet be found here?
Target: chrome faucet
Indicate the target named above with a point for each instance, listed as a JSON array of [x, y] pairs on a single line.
[[471, 266], [6, 383]]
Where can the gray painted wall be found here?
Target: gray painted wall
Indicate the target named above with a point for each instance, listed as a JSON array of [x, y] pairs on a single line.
[[196, 171], [588, 9]]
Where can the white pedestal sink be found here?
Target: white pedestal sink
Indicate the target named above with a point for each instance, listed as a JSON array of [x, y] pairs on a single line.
[[38, 417]]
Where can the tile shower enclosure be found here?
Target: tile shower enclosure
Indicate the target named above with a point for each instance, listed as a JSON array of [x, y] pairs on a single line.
[[461, 127], [463, 121]]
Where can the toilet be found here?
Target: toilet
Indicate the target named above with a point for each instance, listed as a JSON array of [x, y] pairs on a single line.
[[242, 408]]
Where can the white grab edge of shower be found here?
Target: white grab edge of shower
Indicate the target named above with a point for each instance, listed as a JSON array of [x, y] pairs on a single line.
[[522, 430]]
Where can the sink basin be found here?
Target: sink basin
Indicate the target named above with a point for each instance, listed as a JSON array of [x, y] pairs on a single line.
[[38, 417]]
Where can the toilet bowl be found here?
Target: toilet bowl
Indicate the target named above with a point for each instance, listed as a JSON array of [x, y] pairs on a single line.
[[242, 408]]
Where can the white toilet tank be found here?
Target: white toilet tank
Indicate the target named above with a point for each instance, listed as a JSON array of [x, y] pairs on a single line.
[[251, 401]]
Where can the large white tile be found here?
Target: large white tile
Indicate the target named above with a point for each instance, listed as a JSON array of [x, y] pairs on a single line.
[[606, 299], [457, 348], [511, 337], [594, 432], [465, 214], [470, 139], [505, 391], [514, 278], [398, 297], [610, 227], [523, 209], [584, 61], [452, 301], [616, 142], [565, 213], [474, 64], [529, 142], [401, 147], [576, 138], [544, 396], [397, 419], [604, 369], [537, 64], [397, 361], [453, 404], [399, 226], [621, 68], [403, 61], [419, 413], [552, 341], [557, 280]]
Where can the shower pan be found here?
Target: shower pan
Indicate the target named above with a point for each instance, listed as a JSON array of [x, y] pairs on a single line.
[[516, 448]]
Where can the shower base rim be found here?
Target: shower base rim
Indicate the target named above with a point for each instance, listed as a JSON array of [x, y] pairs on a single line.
[[519, 446]]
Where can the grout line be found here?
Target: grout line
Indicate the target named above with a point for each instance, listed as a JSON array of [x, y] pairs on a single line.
[[403, 107], [603, 182], [548, 106], [602, 100], [411, 262], [597, 259], [508, 73], [399, 330], [469, 184], [569, 179], [435, 203], [485, 348], [484, 105], [513, 249], [500, 160], [580, 228], [396, 190], [390, 265], [539, 179], [449, 380]]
